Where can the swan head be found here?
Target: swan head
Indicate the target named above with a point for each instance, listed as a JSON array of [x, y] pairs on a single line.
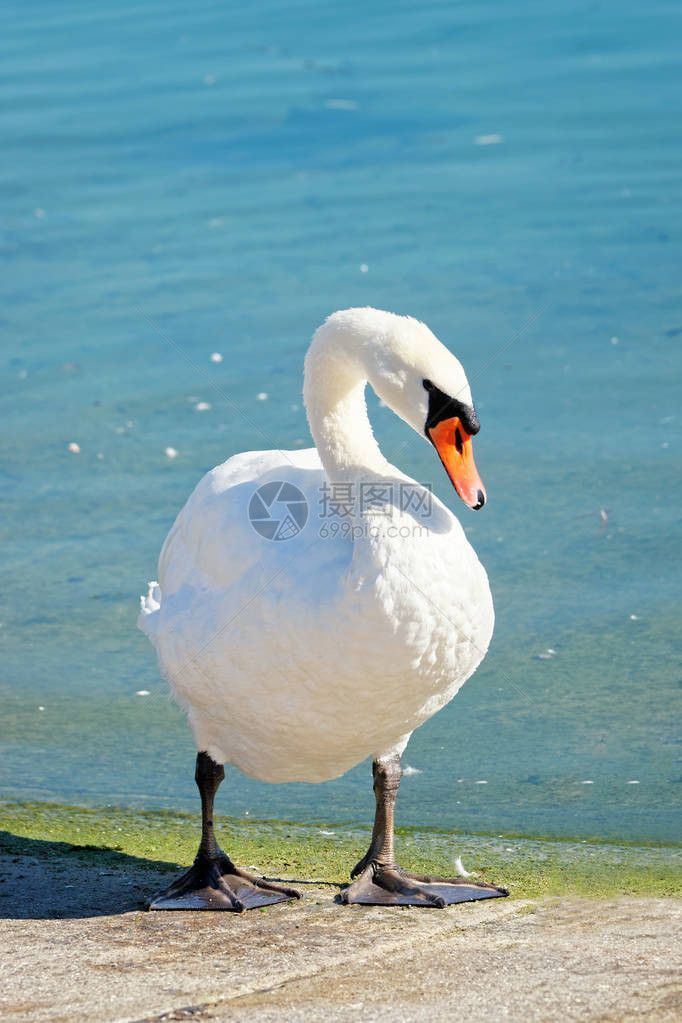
[[421, 380]]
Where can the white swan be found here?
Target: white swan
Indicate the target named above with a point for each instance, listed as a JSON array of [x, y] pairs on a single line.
[[297, 652]]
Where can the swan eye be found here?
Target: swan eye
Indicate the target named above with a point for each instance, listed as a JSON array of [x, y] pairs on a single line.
[[428, 386]]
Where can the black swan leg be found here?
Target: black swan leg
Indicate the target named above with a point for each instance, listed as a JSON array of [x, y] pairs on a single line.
[[213, 881], [380, 882]]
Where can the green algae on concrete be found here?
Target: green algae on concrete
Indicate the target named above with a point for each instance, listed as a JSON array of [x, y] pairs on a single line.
[[166, 841]]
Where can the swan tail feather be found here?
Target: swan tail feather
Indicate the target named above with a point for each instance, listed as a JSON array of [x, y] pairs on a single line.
[[148, 619]]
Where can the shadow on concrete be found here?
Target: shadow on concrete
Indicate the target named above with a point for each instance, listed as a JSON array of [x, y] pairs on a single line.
[[42, 880], [57, 880]]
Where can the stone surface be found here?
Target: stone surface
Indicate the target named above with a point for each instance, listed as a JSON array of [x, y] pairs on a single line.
[[88, 952]]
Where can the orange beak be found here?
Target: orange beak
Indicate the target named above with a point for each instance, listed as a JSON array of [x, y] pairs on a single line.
[[453, 445]]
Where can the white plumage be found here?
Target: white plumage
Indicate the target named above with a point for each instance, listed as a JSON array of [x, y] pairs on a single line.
[[296, 659]]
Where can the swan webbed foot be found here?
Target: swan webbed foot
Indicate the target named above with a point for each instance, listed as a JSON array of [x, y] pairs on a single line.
[[214, 882], [370, 856], [382, 885], [381, 882]]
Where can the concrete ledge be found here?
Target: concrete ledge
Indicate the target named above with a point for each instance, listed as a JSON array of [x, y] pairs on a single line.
[[554, 959]]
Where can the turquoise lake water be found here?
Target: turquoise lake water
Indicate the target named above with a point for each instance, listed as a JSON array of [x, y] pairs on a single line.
[[508, 173]]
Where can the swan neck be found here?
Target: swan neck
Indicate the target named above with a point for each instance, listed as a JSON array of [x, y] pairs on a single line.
[[334, 396]]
